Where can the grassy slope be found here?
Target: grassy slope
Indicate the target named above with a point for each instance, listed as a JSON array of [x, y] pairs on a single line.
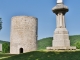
[[45, 42], [37, 55], [42, 44], [5, 55]]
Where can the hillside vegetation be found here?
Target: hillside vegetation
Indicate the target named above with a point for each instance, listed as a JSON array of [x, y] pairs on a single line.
[[47, 55], [46, 42], [1, 41]]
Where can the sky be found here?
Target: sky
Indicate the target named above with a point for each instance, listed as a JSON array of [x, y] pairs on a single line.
[[42, 9]]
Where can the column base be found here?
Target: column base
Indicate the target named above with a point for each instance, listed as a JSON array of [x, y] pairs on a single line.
[[61, 48]]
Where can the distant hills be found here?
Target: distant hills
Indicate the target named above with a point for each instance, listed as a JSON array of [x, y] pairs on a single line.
[[1, 41]]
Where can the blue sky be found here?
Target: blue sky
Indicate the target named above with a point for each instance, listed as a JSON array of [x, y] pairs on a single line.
[[42, 9]]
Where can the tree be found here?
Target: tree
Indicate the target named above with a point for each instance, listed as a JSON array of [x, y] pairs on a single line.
[[0, 24], [6, 47], [77, 44]]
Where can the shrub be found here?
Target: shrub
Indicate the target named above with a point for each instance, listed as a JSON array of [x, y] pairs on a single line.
[[6, 47], [77, 44]]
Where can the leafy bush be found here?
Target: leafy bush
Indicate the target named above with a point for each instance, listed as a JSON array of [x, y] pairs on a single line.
[[6, 47], [77, 44]]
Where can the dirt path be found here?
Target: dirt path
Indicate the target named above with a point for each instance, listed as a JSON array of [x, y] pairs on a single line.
[[4, 57]]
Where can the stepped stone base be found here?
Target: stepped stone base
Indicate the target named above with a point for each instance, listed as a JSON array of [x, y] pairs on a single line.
[[61, 48], [61, 40]]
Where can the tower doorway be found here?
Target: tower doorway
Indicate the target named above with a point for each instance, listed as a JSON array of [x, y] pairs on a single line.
[[21, 50]]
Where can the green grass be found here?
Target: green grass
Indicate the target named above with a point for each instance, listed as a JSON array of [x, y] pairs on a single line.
[[43, 55], [5, 55]]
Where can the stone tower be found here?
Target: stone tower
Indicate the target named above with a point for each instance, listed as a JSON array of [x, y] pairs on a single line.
[[23, 34], [0, 47], [61, 36]]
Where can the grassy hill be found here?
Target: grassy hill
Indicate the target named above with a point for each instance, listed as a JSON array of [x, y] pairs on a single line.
[[43, 55], [48, 55], [45, 42]]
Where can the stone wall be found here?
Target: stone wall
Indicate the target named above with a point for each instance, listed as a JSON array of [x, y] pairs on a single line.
[[0, 47], [23, 34]]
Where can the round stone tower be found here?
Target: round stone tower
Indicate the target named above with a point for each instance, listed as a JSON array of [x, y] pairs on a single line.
[[23, 34]]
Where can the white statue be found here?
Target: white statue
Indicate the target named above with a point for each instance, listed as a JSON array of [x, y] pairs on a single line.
[[59, 1]]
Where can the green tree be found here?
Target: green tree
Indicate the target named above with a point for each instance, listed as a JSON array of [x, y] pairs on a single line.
[[0, 24], [6, 47], [77, 44]]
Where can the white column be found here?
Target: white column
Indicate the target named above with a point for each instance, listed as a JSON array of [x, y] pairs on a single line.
[[57, 21], [63, 21], [60, 18]]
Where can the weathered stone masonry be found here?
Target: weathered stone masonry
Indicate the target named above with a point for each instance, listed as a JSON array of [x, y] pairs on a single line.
[[23, 34]]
